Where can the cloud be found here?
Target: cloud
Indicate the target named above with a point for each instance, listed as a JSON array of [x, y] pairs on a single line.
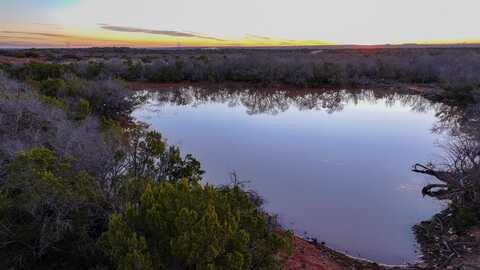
[[156, 32], [19, 37], [256, 37], [26, 44], [49, 25], [36, 34]]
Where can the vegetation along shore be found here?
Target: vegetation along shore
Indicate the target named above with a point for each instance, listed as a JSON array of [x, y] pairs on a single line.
[[85, 186]]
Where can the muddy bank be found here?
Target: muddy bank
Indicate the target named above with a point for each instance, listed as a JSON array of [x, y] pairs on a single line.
[[314, 256]]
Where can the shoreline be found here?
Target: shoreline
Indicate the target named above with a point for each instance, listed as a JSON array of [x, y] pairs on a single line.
[[306, 253], [309, 255]]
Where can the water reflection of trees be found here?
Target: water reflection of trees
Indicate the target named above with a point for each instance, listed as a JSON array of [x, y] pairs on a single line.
[[278, 101]]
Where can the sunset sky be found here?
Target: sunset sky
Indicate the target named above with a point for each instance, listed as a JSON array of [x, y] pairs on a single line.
[[156, 23]]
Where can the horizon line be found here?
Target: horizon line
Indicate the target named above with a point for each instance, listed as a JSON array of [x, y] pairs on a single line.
[[380, 45]]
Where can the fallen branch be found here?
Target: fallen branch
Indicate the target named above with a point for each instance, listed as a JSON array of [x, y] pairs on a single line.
[[447, 177], [428, 190]]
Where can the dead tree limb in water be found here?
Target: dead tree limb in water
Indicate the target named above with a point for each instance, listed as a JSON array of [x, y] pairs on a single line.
[[441, 191], [448, 178]]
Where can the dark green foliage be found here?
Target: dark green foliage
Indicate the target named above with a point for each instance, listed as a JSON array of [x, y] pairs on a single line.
[[459, 95], [70, 57], [134, 71], [149, 157], [108, 98], [83, 109], [40, 72], [27, 54], [94, 70], [203, 57], [328, 74], [52, 87], [7, 68], [168, 72], [53, 102], [183, 225], [49, 213], [463, 218]]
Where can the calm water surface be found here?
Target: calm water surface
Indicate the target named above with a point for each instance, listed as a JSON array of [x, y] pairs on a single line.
[[333, 164]]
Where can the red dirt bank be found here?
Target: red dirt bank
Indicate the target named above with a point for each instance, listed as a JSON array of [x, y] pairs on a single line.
[[309, 256]]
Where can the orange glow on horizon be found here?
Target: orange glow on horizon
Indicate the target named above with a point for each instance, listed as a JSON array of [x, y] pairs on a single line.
[[97, 37]]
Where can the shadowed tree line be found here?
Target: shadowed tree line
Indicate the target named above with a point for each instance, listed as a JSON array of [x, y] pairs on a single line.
[[82, 186], [448, 67]]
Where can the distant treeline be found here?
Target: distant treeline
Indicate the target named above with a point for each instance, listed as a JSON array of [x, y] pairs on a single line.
[[447, 67]]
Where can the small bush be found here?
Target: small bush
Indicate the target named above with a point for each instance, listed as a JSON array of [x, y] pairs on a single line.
[[54, 102], [52, 87], [463, 218], [94, 70], [189, 226], [83, 109], [107, 98], [40, 72]]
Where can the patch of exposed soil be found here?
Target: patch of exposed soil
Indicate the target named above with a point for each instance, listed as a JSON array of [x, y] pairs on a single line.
[[311, 256]]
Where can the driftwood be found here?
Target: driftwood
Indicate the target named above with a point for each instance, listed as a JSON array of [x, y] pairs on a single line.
[[451, 184], [442, 190], [440, 245], [448, 178]]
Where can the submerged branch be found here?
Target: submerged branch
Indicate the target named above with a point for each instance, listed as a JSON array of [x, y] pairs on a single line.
[[449, 178], [428, 190]]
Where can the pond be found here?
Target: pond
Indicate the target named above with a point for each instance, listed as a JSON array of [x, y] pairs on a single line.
[[335, 165]]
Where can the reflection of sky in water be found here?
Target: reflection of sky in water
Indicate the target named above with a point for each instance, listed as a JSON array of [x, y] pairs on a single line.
[[344, 177]]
